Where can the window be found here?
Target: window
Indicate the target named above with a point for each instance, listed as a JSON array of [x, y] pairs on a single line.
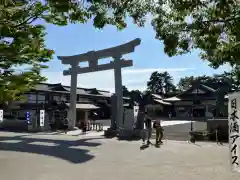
[[56, 98], [197, 101], [67, 97], [41, 98], [80, 99], [31, 98], [63, 98], [14, 113]]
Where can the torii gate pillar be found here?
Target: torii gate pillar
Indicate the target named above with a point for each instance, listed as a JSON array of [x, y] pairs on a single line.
[[92, 58], [73, 97], [118, 91]]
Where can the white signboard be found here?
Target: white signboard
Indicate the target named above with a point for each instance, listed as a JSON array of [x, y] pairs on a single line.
[[234, 133], [42, 117], [1, 115]]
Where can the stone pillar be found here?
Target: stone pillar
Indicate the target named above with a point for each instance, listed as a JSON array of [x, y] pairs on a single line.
[[73, 97], [118, 90]]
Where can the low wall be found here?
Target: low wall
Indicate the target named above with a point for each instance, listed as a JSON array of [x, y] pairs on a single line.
[[17, 125], [14, 125], [212, 125]]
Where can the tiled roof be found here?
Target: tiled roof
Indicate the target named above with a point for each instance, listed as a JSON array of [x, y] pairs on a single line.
[[162, 102], [207, 87], [201, 86], [80, 91], [42, 87], [66, 89], [107, 94], [157, 96], [172, 99], [85, 106]]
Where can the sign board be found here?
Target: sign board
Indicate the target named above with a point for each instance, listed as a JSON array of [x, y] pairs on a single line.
[[28, 117], [1, 115], [42, 117], [234, 133]]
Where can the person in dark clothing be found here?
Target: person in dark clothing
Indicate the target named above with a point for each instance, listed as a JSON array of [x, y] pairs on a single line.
[[219, 135], [148, 124], [84, 127], [159, 132], [65, 125], [214, 113]]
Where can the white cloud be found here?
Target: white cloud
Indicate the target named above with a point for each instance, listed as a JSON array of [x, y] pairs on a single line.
[[150, 70], [133, 78]]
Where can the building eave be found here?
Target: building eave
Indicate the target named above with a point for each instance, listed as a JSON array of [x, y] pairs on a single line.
[[162, 102]]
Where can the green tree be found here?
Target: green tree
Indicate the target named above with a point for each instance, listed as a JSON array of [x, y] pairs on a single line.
[[161, 83], [126, 93], [21, 44], [136, 96], [22, 36], [155, 83], [226, 80], [185, 83], [212, 26], [167, 80]]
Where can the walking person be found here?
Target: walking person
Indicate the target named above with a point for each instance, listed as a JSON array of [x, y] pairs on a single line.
[[159, 132], [65, 125], [219, 135], [144, 134], [214, 113], [170, 115], [147, 129], [148, 123], [84, 127]]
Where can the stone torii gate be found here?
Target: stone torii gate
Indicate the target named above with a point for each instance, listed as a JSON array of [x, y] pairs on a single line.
[[92, 58]]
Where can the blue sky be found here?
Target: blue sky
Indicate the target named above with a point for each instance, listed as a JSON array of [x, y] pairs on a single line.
[[148, 57]]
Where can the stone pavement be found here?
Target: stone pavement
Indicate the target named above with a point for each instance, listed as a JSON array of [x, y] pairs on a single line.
[[63, 157]]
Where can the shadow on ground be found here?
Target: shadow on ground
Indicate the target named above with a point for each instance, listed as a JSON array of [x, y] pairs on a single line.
[[66, 150]]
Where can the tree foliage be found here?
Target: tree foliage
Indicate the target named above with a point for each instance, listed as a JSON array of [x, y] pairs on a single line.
[[160, 83], [213, 26], [22, 44], [22, 35], [136, 96], [125, 91], [226, 82]]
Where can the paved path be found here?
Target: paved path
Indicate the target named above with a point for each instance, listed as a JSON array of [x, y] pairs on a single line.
[[173, 130], [62, 157]]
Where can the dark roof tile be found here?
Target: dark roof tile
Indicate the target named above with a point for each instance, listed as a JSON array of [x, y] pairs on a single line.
[[80, 91]]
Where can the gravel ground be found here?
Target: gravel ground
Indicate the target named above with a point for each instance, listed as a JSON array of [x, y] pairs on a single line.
[[62, 157]]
